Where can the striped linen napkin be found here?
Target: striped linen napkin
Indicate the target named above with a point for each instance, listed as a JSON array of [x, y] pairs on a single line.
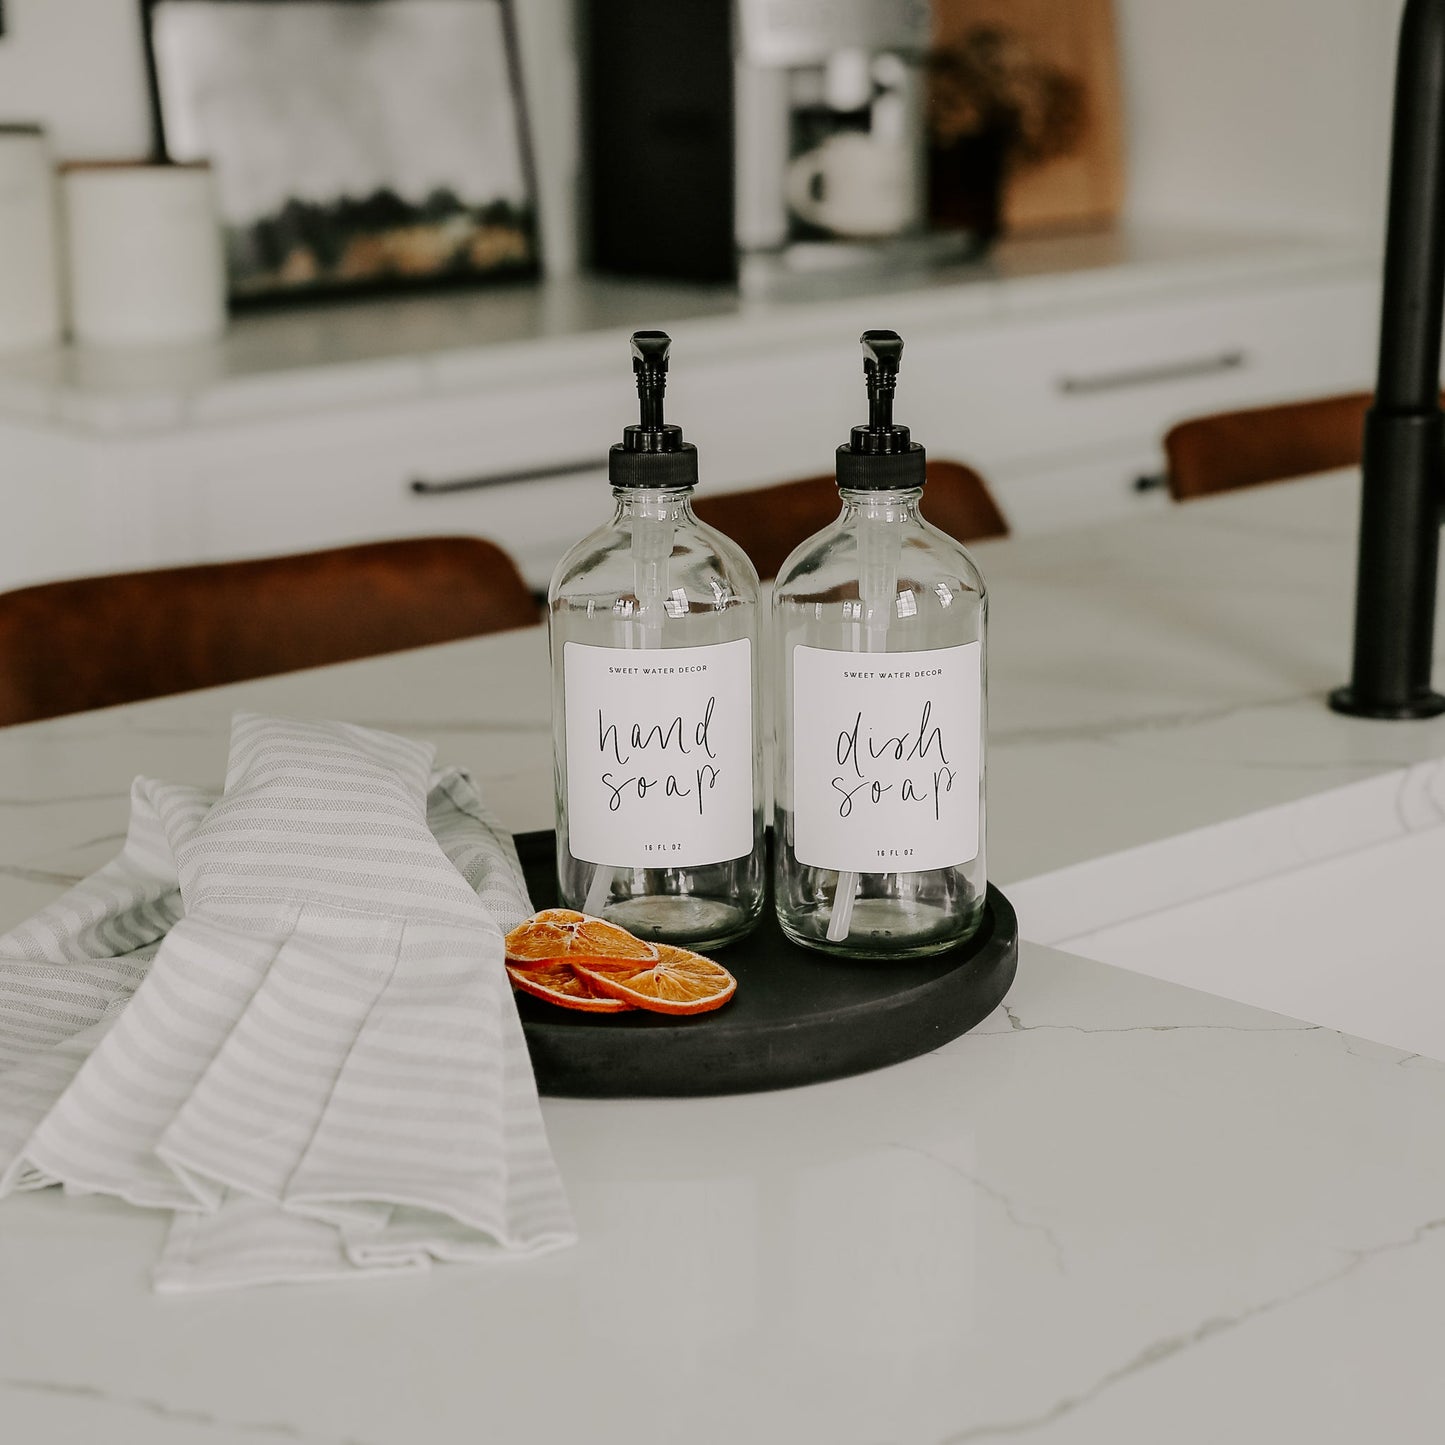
[[284, 1016]]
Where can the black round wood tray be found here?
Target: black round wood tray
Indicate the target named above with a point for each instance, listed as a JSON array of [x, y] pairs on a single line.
[[797, 1018]]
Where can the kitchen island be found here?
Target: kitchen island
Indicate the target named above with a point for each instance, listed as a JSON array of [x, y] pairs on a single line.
[[1119, 1211]]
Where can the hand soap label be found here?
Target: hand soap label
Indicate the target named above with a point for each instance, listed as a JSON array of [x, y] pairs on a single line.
[[659, 754], [886, 758]]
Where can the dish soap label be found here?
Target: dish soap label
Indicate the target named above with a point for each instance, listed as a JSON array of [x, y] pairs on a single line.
[[886, 758], [660, 754]]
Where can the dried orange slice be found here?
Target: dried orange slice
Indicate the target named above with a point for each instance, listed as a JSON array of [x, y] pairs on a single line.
[[680, 982], [557, 983], [562, 933]]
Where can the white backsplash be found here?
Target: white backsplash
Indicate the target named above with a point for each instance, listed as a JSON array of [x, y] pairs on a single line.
[[1205, 86]]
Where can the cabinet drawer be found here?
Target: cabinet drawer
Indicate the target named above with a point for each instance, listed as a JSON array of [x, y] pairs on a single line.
[[536, 520], [525, 468], [1085, 490], [769, 418], [1042, 388], [366, 499]]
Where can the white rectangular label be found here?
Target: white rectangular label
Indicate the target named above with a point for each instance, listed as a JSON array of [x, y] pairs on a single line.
[[660, 754], [886, 754]]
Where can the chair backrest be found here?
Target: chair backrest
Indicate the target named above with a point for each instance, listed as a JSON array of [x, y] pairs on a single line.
[[768, 522], [96, 641], [1265, 444]]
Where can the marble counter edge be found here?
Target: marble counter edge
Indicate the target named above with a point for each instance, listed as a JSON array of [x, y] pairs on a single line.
[[166, 390]]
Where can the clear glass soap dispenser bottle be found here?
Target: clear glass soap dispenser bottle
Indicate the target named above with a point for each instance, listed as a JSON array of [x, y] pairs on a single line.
[[879, 626], [653, 624]]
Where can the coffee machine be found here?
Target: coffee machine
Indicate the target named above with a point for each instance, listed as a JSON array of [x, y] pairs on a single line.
[[762, 141]]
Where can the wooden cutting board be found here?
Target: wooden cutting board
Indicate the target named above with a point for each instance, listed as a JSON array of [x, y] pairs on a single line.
[[1085, 186]]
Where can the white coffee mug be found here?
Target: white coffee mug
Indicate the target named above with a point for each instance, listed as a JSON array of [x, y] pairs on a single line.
[[855, 185]]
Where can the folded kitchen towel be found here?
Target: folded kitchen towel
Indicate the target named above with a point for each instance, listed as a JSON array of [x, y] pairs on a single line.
[[284, 1015]]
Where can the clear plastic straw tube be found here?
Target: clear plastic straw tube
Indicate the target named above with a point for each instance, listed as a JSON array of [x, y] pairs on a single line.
[[652, 539], [878, 551]]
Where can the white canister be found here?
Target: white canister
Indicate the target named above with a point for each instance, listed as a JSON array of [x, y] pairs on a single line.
[[146, 262], [30, 305]]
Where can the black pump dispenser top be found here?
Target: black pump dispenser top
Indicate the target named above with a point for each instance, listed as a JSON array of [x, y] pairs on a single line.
[[652, 453], [881, 456]]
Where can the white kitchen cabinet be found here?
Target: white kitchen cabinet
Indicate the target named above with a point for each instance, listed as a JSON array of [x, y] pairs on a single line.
[[1096, 378], [1053, 370], [350, 477]]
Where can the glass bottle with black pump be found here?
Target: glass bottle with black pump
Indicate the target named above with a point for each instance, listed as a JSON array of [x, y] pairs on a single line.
[[879, 629], [653, 623]]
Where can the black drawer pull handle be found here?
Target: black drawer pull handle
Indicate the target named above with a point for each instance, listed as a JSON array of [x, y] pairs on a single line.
[[1151, 482], [424, 488], [1152, 375]]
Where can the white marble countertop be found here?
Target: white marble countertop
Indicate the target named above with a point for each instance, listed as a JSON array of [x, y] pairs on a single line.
[[1120, 1211], [360, 353]]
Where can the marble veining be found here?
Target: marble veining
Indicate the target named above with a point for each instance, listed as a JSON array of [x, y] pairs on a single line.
[[1013, 1211], [1121, 1210], [159, 1411], [1163, 1349]]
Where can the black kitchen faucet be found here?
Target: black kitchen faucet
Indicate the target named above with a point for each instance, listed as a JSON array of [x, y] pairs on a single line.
[[1404, 464]]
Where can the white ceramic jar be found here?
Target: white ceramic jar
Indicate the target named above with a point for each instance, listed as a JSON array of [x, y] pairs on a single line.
[[31, 313], [145, 256]]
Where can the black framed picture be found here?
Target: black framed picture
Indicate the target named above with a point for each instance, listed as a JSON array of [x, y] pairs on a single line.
[[357, 144]]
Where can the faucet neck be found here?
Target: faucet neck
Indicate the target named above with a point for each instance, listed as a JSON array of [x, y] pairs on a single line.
[[1414, 281], [1404, 442]]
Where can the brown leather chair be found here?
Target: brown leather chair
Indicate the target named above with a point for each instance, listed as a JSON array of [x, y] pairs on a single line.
[[96, 641], [768, 522], [1265, 444]]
